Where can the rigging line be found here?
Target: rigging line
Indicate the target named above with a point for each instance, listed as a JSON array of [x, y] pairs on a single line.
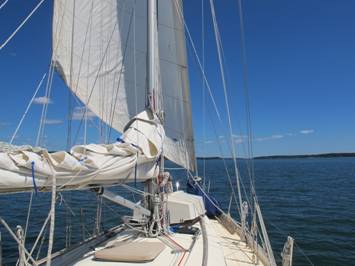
[[27, 109], [285, 234], [48, 94], [44, 111], [226, 98], [178, 8], [135, 190], [3, 4], [83, 118], [89, 24], [225, 166], [40, 132], [41, 244], [99, 69], [70, 101], [52, 215], [13, 235], [304, 254], [69, 118], [28, 217], [44, 226], [203, 88], [120, 75], [21, 25], [84, 46], [247, 96], [87, 80], [207, 196]]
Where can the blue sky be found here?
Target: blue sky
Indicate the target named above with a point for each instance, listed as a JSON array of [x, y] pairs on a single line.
[[301, 62]]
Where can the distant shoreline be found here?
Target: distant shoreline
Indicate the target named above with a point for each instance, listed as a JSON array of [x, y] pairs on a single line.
[[321, 155]]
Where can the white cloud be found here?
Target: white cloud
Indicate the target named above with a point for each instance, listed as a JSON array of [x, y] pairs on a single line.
[[238, 139], [79, 113], [307, 131], [42, 100], [53, 122], [240, 136], [209, 141], [279, 136], [276, 136], [4, 124]]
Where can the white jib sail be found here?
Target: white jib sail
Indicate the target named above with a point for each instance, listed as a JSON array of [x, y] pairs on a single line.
[[100, 51]]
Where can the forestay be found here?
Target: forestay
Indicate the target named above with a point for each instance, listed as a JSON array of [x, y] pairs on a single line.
[[100, 51]]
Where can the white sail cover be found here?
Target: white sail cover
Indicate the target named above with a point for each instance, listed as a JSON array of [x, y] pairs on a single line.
[[100, 51], [25, 168]]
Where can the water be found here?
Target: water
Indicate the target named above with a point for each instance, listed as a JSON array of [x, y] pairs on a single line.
[[313, 200]]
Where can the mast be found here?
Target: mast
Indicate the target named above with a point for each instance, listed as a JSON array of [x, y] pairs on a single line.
[[151, 102]]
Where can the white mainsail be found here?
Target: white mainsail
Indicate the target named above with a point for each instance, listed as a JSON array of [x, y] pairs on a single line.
[[100, 51], [25, 168]]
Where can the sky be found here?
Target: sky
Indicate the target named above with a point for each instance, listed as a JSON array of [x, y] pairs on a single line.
[[301, 76]]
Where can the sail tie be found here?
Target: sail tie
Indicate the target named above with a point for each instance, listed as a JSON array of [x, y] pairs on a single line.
[[120, 140], [123, 141], [33, 176]]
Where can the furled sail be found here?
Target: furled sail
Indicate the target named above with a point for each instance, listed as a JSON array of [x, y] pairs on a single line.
[[100, 51], [27, 168]]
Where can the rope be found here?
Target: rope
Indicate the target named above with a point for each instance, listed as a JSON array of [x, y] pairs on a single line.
[[21, 25], [97, 74], [247, 98], [17, 240], [175, 243], [27, 109], [3, 4], [28, 217], [70, 101], [112, 111], [178, 9], [285, 234], [135, 190], [39, 235], [225, 166], [207, 196], [219, 45], [40, 132], [33, 177], [52, 215], [203, 89]]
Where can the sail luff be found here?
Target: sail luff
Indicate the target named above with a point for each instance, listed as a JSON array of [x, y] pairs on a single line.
[[175, 84]]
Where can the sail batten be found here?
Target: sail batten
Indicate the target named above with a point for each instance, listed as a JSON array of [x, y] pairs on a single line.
[[105, 65]]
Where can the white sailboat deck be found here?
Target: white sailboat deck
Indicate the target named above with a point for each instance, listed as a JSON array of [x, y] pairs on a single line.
[[223, 249], [236, 252]]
